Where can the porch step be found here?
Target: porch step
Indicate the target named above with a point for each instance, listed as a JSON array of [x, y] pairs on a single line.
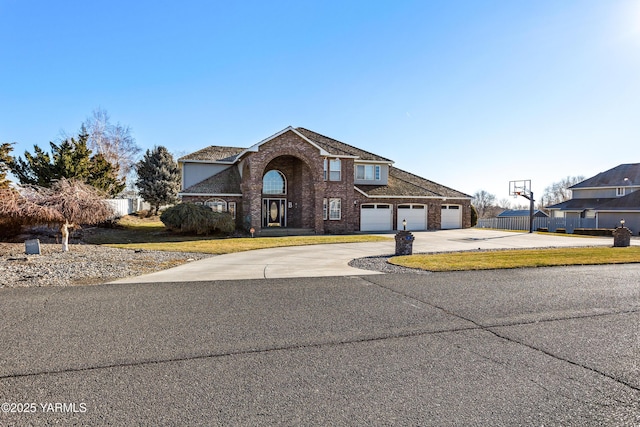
[[284, 231]]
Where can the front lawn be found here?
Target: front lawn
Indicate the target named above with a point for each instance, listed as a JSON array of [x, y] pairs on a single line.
[[458, 261], [150, 234]]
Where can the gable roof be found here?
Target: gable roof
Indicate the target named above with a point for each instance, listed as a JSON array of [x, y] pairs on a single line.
[[335, 147], [327, 147], [214, 153], [405, 184], [613, 177]]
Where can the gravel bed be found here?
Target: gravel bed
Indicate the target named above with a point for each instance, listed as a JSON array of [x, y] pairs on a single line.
[[381, 264], [82, 265]]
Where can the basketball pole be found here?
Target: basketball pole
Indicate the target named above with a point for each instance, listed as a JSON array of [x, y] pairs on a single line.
[[527, 194]]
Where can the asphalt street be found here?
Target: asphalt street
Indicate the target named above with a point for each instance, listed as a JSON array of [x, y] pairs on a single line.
[[549, 346]]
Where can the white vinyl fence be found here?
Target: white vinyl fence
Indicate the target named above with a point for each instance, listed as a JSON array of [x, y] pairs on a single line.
[[124, 207], [522, 223]]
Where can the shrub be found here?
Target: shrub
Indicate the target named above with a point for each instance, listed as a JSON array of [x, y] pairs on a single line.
[[605, 232], [199, 219], [474, 216], [10, 227]]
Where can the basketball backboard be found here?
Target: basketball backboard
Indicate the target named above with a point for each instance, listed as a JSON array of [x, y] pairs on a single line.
[[520, 187]]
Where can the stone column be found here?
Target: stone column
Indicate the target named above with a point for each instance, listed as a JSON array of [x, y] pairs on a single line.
[[404, 243], [621, 237]]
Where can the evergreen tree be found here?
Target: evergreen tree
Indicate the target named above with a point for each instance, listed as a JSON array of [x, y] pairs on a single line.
[[103, 175], [158, 178], [5, 161], [71, 159]]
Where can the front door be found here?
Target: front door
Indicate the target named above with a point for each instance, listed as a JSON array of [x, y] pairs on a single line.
[[274, 213]]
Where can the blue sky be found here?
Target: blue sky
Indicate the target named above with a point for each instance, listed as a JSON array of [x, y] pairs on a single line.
[[470, 94]]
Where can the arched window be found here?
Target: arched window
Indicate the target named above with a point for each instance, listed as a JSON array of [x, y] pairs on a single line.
[[216, 205], [274, 182]]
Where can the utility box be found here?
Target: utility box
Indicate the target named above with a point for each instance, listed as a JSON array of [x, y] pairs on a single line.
[[621, 237], [404, 243], [32, 247]]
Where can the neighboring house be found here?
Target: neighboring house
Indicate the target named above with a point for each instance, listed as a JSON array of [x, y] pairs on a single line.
[[517, 213], [606, 198], [300, 179]]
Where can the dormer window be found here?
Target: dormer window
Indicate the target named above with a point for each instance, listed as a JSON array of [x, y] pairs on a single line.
[[620, 191]]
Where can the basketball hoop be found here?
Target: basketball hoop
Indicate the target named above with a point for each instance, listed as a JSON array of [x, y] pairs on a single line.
[[522, 188]]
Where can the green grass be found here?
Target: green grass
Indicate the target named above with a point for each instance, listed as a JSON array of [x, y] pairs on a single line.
[[143, 233], [521, 258]]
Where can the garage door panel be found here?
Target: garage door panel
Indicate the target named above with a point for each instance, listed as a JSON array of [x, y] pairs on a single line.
[[416, 216], [451, 217], [375, 217]]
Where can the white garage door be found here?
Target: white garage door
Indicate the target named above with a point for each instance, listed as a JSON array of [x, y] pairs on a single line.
[[375, 217], [416, 216], [451, 217]]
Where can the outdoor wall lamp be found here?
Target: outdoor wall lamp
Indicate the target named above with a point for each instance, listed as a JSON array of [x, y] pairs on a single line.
[[622, 223], [404, 224]]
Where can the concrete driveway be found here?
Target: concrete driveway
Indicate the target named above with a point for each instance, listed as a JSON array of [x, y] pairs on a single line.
[[333, 260]]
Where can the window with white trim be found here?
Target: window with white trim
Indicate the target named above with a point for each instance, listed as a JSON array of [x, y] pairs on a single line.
[[274, 182], [335, 209], [368, 172], [335, 170], [325, 209], [216, 205], [325, 168], [620, 191]]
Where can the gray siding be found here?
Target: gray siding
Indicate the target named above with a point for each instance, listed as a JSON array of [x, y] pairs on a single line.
[[612, 220], [384, 175], [193, 173]]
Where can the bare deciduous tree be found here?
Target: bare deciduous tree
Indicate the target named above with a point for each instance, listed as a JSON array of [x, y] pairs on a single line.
[[115, 142], [483, 201], [504, 203], [559, 191]]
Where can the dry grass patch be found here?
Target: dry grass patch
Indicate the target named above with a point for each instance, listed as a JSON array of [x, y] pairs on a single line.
[[134, 232], [226, 246], [459, 261]]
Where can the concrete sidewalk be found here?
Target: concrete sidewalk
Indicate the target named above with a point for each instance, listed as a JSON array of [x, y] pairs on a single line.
[[333, 259]]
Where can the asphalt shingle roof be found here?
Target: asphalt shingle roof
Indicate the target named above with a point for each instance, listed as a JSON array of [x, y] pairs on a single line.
[[214, 153], [403, 183], [336, 147], [614, 177], [629, 202]]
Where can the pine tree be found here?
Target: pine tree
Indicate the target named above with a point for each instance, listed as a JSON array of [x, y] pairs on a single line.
[[158, 178], [5, 161], [104, 176], [71, 159]]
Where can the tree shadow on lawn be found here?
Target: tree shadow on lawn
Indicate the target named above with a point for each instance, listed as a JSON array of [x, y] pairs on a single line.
[[124, 235]]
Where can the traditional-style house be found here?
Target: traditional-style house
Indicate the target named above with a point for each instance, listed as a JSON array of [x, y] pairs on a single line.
[[301, 180], [606, 199]]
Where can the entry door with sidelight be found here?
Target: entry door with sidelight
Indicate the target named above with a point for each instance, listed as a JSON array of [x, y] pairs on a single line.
[[274, 212]]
